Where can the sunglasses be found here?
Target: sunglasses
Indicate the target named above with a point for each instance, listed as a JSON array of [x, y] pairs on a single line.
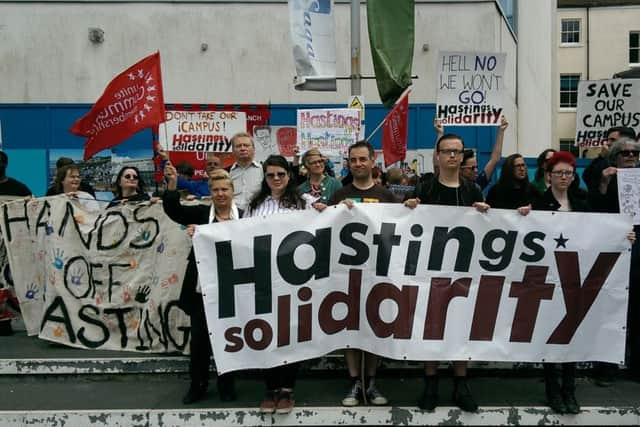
[[129, 176], [629, 153], [277, 174]]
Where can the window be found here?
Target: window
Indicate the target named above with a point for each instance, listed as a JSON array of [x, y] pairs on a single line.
[[570, 31], [634, 47], [569, 90], [569, 145]]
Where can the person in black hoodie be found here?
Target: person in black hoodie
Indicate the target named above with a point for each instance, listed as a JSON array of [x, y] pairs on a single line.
[[222, 209], [513, 190]]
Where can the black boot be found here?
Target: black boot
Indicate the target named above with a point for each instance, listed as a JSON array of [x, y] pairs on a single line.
[[429, 399], [552, 389], [195, 393], [227, 387], [569, 388], [462, 395]]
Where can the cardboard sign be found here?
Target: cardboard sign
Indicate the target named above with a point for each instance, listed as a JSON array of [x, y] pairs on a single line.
[[329, 130], [470, 88]]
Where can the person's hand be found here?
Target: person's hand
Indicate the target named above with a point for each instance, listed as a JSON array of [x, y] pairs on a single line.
[[348, 203], [412, 203], [481, 206], [170, 176], [154, 200], [318, 206], [191, 229], [72, 193], [163, 154], [438, 126], [190, 197], [631, 236], [609, 172], [524, 210], [504, 124]]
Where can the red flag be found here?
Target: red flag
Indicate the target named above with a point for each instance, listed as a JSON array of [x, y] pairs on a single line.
[[394, 132], [131, 102]]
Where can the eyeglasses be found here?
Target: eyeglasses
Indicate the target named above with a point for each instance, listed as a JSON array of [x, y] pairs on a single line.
[[450, 151], [274, 175], [128, 176], [473, 168], [629, 153], [559, 174]]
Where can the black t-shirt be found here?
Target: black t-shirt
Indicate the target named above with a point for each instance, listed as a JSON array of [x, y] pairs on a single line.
[[466, 194], [375, 194], [13, 187]]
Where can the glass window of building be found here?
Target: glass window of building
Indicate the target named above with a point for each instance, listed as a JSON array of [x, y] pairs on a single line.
[[569, 90], [634, 47], [570, 31]]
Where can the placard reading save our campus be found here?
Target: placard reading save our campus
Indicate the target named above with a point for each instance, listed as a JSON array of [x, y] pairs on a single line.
[[434, 283], [470, 88], [208, 131], [107, 280], [603, 104]]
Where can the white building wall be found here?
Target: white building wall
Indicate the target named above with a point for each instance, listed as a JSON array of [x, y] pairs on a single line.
[[46, 57]]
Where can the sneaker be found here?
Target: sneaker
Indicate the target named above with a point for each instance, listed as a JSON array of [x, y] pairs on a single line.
[[194, 394], [268, 404], [555, 402], [570, 403], [462, 396], [374, 397], [285, 402], [429, 399], [353, 397]]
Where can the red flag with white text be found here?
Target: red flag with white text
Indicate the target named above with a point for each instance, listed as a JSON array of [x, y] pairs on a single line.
[[131, 102], [394, 131]]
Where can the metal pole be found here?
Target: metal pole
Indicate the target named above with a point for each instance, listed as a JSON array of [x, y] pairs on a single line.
[[356, 87]]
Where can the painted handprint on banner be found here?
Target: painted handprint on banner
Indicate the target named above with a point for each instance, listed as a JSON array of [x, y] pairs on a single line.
[[142, 295], [58, 261]]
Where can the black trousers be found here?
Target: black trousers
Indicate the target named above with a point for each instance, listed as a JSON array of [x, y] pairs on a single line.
[[200, 346], [281, 376]]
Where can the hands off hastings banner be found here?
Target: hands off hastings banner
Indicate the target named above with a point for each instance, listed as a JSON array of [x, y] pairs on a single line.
[[434, 283], [329, 130], [603, 104], [109, 279], [470, 88]]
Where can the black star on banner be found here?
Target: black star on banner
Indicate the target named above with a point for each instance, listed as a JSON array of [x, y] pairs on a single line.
[[561, 242]]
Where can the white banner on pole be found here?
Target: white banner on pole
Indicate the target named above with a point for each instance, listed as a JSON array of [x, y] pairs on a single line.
[[470, 88], [207, 131], [434, 283], [312, 29], [603, 104]]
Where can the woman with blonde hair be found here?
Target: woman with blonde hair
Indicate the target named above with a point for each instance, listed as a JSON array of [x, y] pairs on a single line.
[[319, 187]]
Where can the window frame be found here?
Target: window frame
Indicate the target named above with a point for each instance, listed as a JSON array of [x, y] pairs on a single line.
[[569, 33], [574, 105], [635, 48]]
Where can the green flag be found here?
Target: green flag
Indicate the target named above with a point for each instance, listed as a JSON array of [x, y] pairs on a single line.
[[391, 35]]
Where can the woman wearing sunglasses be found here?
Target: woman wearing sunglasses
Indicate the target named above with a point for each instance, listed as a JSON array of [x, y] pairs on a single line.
[[278, 194], [129, 187]]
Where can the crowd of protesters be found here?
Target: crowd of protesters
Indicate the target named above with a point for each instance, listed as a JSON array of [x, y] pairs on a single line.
[[249, 189]]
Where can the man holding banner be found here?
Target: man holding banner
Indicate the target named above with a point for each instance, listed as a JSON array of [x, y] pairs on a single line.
[[363, 189]]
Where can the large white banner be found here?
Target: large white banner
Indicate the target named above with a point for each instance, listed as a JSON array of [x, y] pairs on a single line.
[[108, 279], [331, 131], [207, 131], [603, 104], [312, 29], [470, 88], [434, 283]]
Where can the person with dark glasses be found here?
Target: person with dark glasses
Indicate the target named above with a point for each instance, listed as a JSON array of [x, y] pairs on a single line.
[[128, 187]]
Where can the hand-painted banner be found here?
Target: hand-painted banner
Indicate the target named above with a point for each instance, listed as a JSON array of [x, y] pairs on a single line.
[[207, 131], [629, 192], [108, 280], [274, 140], [329, 130], [434, 283], [470, 88], [603, 104]]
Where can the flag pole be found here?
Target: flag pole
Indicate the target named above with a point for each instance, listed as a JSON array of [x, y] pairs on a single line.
[[405, 93], [356, 84]]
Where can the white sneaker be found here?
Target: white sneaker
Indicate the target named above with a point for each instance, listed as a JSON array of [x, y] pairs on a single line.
[[353, 397], [375, 397]]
